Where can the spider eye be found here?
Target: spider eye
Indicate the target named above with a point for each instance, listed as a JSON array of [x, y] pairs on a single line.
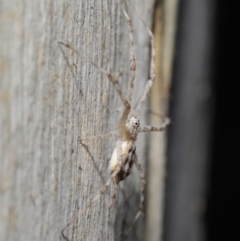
[[137, 123]]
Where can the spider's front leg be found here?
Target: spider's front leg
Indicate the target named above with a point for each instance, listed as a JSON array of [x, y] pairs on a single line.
[[102, 136]]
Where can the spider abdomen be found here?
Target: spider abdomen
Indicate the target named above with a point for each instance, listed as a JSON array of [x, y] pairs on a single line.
[[122, 159]]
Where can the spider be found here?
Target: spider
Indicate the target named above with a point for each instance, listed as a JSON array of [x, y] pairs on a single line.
[[124, 154]]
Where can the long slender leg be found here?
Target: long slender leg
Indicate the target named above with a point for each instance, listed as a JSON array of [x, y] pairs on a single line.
[[153, 128], [66, 59], [93, 161], [112, 79], [123, 131], [102, 136], [113, 197], [132, 54], [101, 193], [152, 64], [143, 183]]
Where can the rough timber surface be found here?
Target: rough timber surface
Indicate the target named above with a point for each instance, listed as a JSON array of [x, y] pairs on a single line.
[[47, 104]]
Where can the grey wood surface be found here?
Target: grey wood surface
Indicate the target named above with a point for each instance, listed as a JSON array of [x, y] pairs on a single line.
[[47, 102]]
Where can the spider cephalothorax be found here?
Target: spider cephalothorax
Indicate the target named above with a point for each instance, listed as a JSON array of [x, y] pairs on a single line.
[[133, 124]]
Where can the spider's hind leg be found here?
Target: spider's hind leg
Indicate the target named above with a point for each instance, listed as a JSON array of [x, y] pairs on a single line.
[[93, 200], [143, 183], [113, 197]]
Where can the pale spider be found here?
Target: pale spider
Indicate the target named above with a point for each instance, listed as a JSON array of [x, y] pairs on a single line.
[[124, 154]]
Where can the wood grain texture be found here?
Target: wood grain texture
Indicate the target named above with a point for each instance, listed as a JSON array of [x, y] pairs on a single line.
[[48, 103]]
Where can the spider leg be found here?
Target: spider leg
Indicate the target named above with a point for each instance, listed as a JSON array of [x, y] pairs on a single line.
[[112, 79], [101, 193], [152, 63], [143, 183], [66, 59], [132, 53], [123, 131], [102, 136], [113, 197], [153, 128]]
